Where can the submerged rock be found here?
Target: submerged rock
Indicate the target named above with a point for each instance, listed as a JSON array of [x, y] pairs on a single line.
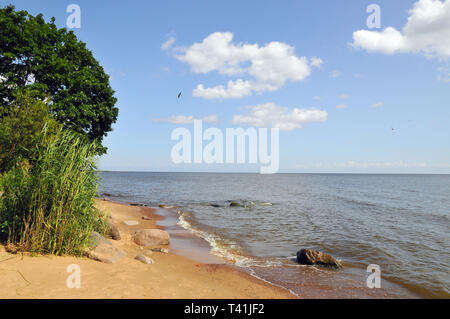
[[144, 259], [314, 257], [235, 204], [151, 237], [103, 250]]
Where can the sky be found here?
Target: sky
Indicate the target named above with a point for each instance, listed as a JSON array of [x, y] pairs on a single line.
[[347, 96]]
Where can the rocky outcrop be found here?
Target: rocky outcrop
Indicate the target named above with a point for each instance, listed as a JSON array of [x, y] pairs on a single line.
[[151, 237], [102, 249], [314, 257]]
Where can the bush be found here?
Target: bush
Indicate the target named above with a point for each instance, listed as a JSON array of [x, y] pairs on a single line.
[[47, 207]]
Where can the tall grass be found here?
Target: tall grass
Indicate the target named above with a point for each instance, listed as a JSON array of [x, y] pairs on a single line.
[[47, 205]]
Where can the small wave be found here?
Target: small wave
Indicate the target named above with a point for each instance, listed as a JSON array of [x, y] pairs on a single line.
[[227, 249]]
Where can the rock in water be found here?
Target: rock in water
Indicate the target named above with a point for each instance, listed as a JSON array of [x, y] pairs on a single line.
[[144, 259], [235, 204], [314, 257], [151, 237], [103, 250]]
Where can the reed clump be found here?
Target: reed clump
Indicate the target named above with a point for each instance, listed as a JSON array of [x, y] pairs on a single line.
[[47, 201]]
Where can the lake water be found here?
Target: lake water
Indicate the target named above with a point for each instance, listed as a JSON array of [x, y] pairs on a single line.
[[399, 222]]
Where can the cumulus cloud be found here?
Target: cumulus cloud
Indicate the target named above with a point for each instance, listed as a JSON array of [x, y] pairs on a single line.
[[168, 44], [427, 31], [187, 119], [341, 106], [268, 67], [272, 115]]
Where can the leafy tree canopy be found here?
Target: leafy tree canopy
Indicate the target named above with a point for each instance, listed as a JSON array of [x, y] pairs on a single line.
[[36, 55], [21, 129]]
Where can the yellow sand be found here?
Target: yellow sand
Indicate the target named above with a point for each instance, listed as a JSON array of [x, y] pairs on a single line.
[[171, 276]]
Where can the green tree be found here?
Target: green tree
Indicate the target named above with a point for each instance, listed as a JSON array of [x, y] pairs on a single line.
[[20, 130], [38, 56]]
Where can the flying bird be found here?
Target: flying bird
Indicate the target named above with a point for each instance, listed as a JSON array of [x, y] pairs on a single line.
[[179, 95]]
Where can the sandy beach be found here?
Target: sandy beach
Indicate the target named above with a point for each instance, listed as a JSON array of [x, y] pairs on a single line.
[[171, 275]]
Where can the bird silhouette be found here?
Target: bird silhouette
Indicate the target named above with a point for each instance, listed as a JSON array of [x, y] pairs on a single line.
[[179, 95]]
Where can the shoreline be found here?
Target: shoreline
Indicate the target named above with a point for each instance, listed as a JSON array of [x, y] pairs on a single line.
[[172, 276]]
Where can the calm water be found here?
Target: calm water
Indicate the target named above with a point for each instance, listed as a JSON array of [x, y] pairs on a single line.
[[400, 222]]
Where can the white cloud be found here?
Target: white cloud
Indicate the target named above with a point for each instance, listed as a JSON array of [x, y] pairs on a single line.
[[268, 67], [272, 115], [341, 106], [317, 98], [343, 96], [335, 74], [427, 31], [187, 119], [378, 104], [168, 44], [235, 89], [316, 62]]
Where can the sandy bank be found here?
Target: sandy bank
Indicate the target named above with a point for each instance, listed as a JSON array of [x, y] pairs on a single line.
[[171, 276]]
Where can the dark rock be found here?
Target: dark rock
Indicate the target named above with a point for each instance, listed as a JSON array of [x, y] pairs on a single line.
[[314, 257], [235, 204]]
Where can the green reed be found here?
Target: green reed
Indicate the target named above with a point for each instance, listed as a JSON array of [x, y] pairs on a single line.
[[47, 205]]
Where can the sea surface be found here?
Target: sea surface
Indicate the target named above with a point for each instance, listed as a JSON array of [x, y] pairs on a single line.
[[259, 222]]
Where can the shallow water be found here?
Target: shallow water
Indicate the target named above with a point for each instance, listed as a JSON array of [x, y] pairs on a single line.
[[400, 222]]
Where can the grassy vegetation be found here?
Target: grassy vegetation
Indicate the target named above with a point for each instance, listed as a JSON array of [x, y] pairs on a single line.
[[47, 201]]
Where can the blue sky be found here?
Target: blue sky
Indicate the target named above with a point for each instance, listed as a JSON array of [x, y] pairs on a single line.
[[404, 74]]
